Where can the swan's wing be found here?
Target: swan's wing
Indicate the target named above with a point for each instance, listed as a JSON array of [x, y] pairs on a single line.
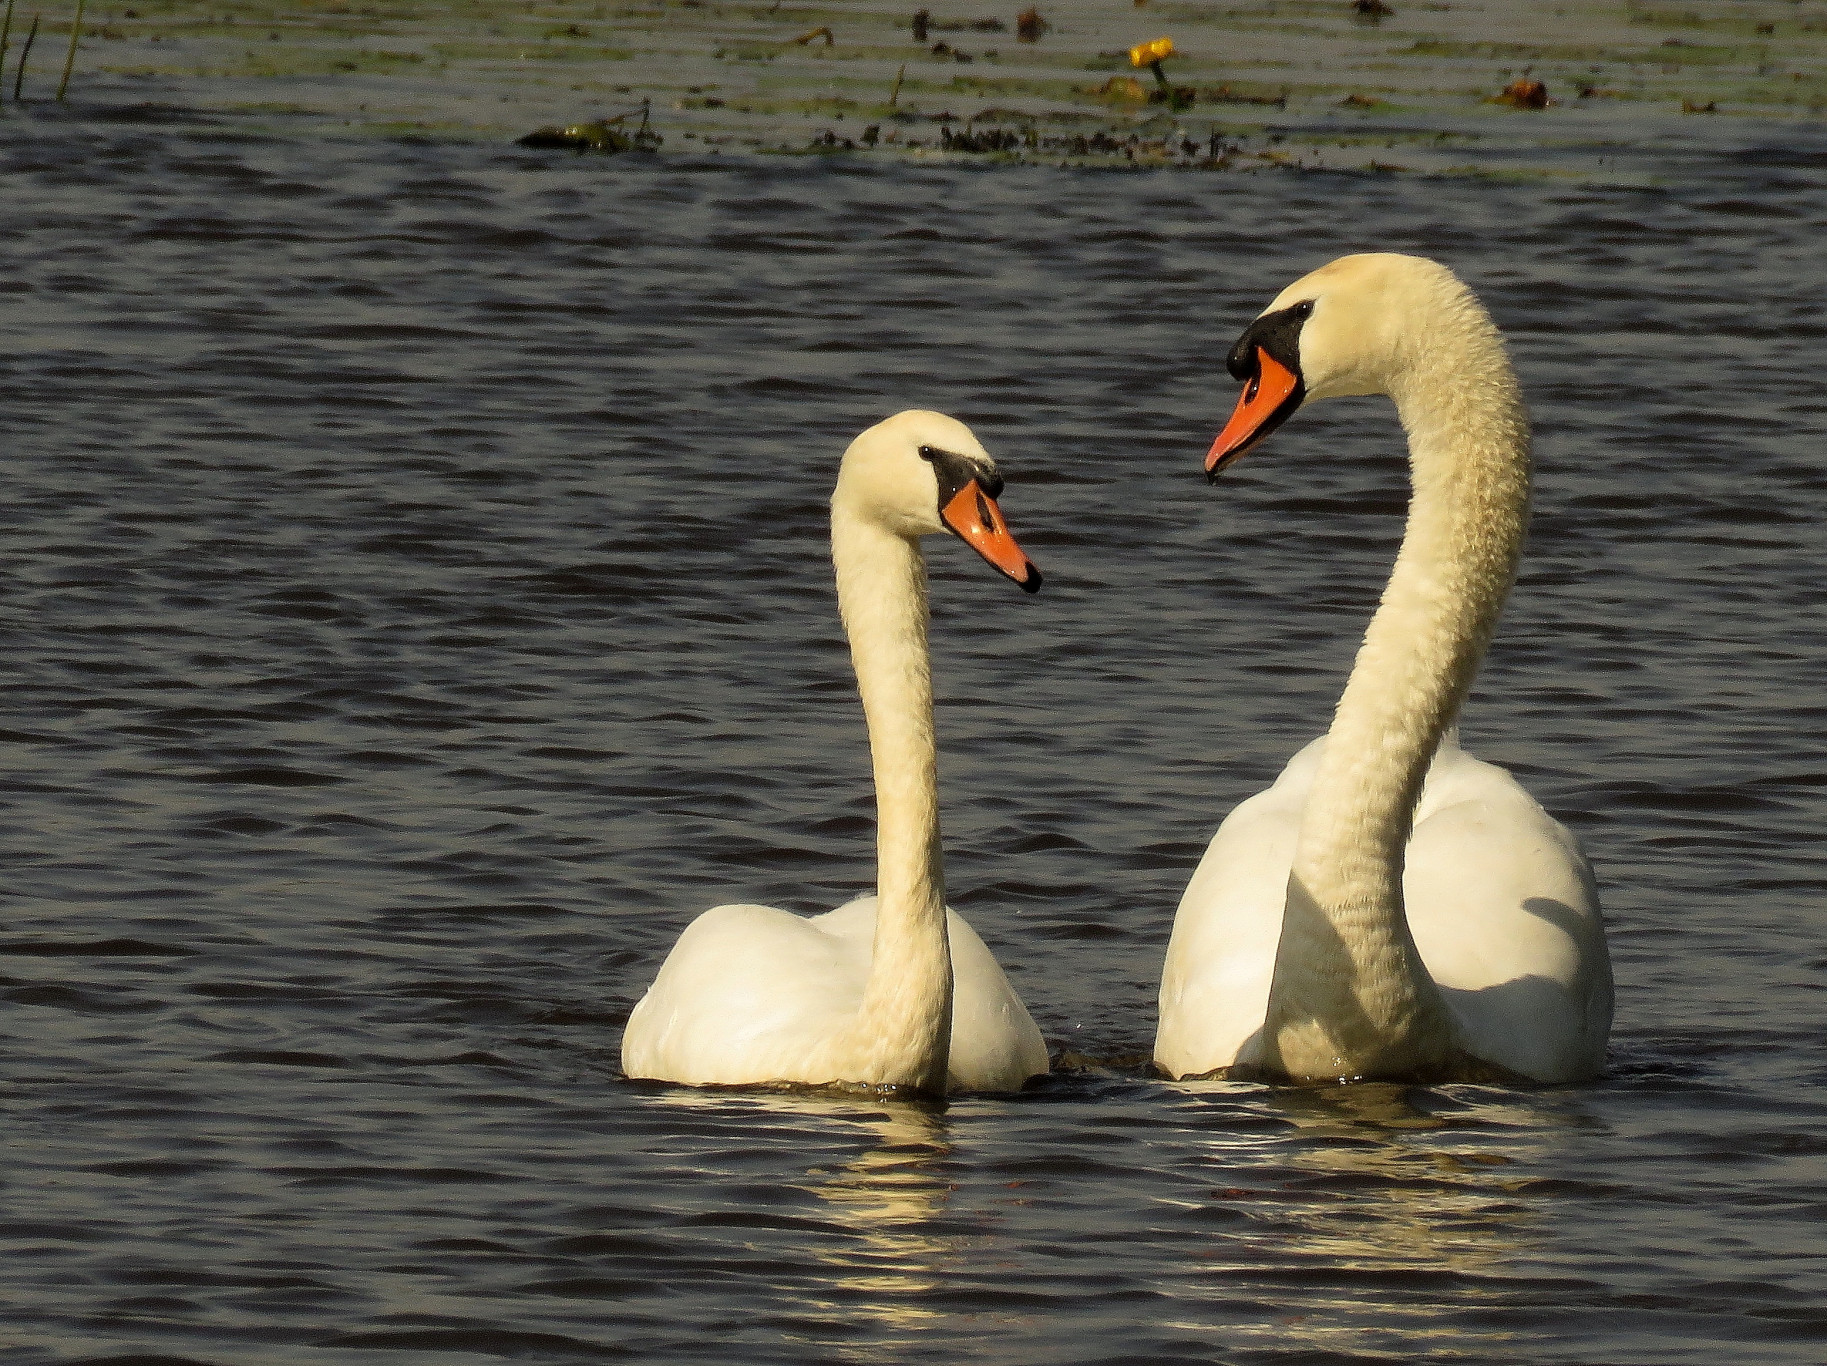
[[1500, 900], [751, 993], [1221, 958], [995, 1044], [1505, 912], [747, 994]]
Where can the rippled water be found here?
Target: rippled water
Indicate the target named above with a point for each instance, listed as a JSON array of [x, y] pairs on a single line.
[[416, 608]]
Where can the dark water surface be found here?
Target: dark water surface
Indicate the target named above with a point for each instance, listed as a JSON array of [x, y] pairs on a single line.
[[416, 608]]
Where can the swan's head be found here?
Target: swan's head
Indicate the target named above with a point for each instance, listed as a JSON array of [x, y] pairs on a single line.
[[920, 473], [1351, 327]]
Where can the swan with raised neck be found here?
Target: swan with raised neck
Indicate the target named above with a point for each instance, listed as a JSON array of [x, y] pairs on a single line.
[[1350, 992], [892, 990]]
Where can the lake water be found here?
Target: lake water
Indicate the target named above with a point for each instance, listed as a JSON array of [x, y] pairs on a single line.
[[417, 608]]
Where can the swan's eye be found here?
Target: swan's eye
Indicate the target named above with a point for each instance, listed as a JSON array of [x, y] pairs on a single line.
[[1303, 310], [927, 453]]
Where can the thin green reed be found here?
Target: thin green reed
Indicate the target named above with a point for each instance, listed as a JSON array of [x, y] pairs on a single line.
[[6, 32], [70, 59]]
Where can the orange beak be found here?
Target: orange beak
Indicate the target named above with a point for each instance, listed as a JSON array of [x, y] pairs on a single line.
[[1264, 406], [973, 514]]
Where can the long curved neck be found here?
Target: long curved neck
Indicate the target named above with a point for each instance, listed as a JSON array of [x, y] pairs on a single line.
[[903, 1028], [1350, 995]]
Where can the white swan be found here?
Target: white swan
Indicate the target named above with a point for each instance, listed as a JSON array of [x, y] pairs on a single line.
[[868, 993], [1370, 915]]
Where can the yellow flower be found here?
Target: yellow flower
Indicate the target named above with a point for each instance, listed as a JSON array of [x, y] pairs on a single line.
[[1147, 54]]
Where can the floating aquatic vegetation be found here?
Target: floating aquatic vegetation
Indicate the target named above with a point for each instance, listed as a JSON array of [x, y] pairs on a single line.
[[599, 135], [1121, 88], [580, 137], [469, 68]]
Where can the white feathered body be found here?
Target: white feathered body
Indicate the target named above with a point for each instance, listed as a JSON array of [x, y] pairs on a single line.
[[1499, 898], [753, 992]]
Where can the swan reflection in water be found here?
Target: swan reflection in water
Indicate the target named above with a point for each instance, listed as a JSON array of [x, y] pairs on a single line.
[[887, 1199], [1362, 1215], [868, 1245]]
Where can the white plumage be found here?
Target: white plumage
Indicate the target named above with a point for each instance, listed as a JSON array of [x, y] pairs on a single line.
[[892, 990], [1393, 907], [786, 987]]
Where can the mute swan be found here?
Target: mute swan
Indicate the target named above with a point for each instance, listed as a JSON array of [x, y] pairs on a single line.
[[867, 993], [1393, 907]]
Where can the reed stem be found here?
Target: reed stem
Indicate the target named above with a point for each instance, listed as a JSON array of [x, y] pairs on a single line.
[[6, 33], [24, 52], [69, 60]]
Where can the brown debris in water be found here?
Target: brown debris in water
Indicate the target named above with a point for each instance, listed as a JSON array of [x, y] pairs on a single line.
[[1523, 93], [1223, 94], [820, 32], [924, 24], [989, 140], [1029, 25], [1373, 10], [1028, 142]]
